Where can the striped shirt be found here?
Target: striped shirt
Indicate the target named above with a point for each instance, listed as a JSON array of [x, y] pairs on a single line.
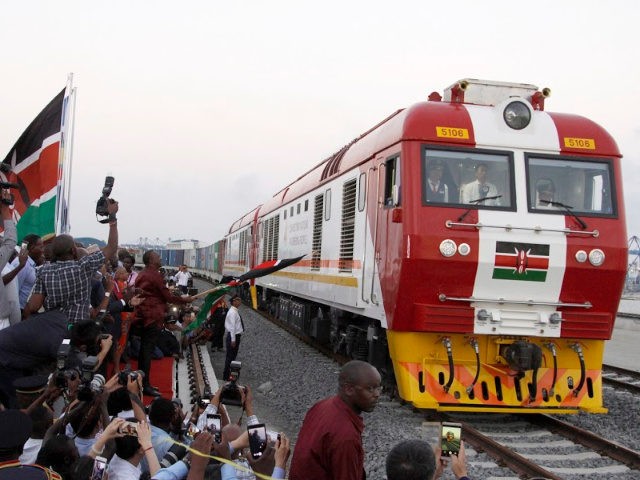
[[66, 285]]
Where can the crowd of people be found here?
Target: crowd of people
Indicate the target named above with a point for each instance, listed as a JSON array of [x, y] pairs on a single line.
[[68, 410]]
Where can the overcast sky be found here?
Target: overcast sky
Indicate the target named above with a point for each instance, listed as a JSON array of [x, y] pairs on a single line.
[[203, 109]]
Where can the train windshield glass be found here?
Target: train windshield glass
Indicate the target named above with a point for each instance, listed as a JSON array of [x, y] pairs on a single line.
[[468, 178], [556, 184]]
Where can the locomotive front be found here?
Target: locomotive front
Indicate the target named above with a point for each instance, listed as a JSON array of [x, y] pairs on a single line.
[[512, 255]]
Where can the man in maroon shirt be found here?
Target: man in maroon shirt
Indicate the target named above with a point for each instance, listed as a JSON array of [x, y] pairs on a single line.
[[329, 444], [151, 312]]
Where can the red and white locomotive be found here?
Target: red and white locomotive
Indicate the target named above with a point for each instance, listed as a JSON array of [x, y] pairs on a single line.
[[475, 242]]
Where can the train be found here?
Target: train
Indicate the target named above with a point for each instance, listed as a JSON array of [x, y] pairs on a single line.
[[472, 246]]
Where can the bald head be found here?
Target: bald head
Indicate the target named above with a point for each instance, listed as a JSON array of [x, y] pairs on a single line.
[[359, 386], [354, 372]]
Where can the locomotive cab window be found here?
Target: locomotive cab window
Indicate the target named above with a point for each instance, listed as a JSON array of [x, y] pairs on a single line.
[[392, 182], [471, 178], [556, 185]]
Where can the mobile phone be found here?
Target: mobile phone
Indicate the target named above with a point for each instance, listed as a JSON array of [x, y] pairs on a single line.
[[99, 466], [23, 247], [450, 436], [214, 425], [129, 428], [192, 430], [257, 439]]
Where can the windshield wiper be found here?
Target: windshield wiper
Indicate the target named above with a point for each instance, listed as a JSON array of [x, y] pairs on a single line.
[[567, 208], [477, 200]]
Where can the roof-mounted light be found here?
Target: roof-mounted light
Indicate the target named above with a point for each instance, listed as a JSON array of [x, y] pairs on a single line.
[[517, 115]]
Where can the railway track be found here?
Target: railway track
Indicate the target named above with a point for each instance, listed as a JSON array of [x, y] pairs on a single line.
[[532, 446], [621, 378], [523, 443], [542, 446]]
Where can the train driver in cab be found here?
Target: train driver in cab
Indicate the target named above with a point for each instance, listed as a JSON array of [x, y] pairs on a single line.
[[480, 188], [545, 192], [437, 190]]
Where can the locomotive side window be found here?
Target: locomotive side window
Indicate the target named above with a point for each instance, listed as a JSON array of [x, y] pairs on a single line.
[[327, 205], [392, 182], [471, 178], [556, 184], [362, 192]]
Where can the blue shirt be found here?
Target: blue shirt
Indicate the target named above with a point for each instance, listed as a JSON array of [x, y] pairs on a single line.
[[26, 279], [177, 471]]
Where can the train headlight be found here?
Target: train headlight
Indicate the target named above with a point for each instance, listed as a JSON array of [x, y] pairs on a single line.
[[517, 115], [448, 248], [581, 256], [464, 249], [596, 257]]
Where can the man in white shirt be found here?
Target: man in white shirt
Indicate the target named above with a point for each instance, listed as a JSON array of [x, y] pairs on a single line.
[[234, 328], [182, 279], [27, 276], [480, 188]]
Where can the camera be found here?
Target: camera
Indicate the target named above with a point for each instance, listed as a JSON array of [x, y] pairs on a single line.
[[257, 439], [450, 437], [101, 206], [175, 453], [90, 383], [173, 314], [129, 428], [230, 394], [99, 467], [8, 201], [214, 425], [124, 375]]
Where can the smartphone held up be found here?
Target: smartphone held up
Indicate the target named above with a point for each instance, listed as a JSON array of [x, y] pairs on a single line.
[[450, 436], [257, 439]]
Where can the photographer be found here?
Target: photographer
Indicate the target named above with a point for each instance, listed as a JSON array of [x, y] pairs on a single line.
[[88, 339], [7, 247], [65, 284]]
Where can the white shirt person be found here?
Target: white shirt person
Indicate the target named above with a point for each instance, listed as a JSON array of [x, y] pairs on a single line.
[[480, 188]]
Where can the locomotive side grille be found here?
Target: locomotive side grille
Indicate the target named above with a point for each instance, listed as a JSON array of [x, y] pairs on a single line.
[[345, 263], [270, 243], [243, 246], [263, 234], [276, 237], [316, 246]]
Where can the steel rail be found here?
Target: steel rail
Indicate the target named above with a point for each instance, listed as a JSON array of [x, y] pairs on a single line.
[[614, 450]]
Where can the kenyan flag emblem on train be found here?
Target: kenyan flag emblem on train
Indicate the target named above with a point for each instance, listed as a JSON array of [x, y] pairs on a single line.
[[521, 261]]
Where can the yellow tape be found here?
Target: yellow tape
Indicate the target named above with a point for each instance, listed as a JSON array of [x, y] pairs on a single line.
[[221, 460]]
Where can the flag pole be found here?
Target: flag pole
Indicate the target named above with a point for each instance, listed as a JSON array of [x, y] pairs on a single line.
[[67, 226], [64, 168]]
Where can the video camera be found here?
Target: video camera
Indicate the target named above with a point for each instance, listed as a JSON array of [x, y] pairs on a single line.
[[90, 383], [124, 375], [230, 394], [101, 206], [4, 185]]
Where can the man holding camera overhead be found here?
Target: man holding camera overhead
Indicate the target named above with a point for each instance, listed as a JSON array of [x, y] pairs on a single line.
[[66, 283]]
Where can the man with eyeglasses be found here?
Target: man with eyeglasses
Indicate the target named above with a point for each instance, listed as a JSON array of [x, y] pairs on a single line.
[[329, 444]]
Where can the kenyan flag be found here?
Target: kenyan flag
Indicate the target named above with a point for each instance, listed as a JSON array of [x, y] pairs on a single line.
[[521, 261], [35, 164]]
